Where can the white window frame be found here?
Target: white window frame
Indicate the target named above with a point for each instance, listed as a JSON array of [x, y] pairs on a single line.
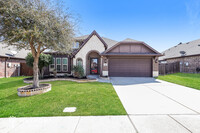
[[59, 64], [50, 69], [65, 64]]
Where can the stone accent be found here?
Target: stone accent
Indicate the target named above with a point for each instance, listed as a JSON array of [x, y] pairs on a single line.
[[155, 70], [62, 79], [104, 66], [155, 73], [187, 64], [105, 73], [155, 63], [25, 92]]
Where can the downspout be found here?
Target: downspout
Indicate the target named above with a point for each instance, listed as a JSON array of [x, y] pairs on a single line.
[[5, 68]]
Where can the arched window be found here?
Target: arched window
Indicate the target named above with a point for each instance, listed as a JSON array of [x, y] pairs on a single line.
[[79, 61]]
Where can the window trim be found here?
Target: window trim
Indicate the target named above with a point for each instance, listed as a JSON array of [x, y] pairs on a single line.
[[50, 69], [77, 61], [59, 64], [65, 64]]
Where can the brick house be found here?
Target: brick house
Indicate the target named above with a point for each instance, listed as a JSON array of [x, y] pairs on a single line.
[[106, 57], [186, 54], [12, 62]]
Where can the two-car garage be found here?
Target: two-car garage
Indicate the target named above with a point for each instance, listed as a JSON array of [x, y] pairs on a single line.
[[131, 59], [130, 67]]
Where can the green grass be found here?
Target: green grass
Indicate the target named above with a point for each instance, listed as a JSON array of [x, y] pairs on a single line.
[[185, 79], [89, 98]]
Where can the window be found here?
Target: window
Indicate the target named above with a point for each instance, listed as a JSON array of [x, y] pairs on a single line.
[[65, 64], [58, 64], [52, 65], [79, 62], [76, 45]]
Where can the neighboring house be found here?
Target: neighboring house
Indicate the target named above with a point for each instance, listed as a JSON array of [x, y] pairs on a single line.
[[106, 57], [186, 54], [12, 62]]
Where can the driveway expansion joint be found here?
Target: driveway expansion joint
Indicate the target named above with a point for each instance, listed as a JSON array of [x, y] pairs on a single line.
[[179, 123], [132, 124], [77, 124]]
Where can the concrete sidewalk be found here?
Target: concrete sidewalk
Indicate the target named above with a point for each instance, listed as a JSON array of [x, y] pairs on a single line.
[[68, 124], [103, 124]]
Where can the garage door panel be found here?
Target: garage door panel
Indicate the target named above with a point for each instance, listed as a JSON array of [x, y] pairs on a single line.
[[130, 67]]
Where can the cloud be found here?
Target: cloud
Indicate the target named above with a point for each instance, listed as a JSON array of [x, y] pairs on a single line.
[[193, 11]]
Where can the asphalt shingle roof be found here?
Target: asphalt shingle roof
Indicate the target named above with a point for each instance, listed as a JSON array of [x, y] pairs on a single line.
[[108, 41], [129, 40], [190, 48], [12, 52]]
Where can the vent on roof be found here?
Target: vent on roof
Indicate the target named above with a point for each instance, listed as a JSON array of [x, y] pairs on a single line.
[[187, 42], [180, 43], [182, 53], [198, 44], [9, 54]]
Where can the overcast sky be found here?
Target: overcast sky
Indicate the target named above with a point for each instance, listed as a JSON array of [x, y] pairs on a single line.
[[160, 23]]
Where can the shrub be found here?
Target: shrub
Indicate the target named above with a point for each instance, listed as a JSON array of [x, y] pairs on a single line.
[[198, 69], [78, 71], [44, 61]]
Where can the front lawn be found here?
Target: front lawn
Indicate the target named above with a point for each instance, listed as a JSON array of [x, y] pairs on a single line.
[[89, 98], [185, 79]]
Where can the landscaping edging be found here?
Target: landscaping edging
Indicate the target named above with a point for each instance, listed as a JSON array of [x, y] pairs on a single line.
[[24, 92], [61, 79]]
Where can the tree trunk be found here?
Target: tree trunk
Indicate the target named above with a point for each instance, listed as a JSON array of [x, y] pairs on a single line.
[[35, 73]]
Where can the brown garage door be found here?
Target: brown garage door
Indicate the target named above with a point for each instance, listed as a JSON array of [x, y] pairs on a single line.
[[130, 67]]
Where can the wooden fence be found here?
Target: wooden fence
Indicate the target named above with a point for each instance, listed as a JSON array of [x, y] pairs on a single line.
[[169, 68], [25, 70]]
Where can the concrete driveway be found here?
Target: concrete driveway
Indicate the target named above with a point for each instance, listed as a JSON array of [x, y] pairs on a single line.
[[155, 105]]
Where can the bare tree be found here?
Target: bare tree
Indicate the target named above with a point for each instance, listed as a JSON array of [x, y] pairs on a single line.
[[36, 25]]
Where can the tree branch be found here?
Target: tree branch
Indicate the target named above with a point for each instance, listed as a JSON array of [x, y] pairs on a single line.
[[32, 47], [43, 50]]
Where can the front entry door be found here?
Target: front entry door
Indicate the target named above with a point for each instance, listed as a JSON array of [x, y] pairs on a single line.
[[94, 66]]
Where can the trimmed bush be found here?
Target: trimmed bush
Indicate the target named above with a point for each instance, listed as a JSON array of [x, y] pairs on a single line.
[[78, 71]]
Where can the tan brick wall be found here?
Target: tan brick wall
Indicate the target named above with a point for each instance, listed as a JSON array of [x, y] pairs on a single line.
[[2, 67], [192, 61]]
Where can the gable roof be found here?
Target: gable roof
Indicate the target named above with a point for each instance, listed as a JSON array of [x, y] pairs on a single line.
[[10, 52], [108, 41], [190, 48], [131, 41], [87, 39]]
